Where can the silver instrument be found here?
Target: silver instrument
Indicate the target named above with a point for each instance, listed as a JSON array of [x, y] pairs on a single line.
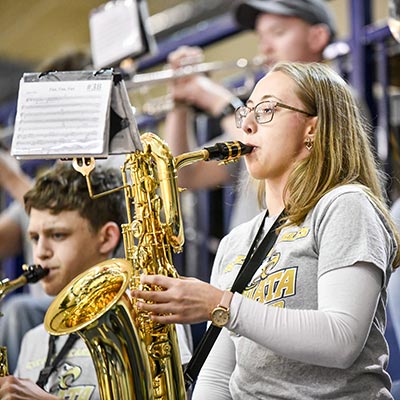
[[158, 106], [152, 78]]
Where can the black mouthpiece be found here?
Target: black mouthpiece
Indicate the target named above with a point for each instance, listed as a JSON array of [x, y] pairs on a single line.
[[227, 151], [35, 273]]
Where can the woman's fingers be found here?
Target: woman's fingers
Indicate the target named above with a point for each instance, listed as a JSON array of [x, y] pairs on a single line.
[[183, 300], [159, 280]]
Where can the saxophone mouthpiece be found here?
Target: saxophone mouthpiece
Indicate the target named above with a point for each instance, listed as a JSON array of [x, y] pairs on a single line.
[[34, 273], [227, 151]]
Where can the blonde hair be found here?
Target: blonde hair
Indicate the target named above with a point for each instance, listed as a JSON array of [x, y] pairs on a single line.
[[342, 152]]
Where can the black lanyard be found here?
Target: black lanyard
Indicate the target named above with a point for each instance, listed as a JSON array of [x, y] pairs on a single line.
[[250, 265], [50, 364]]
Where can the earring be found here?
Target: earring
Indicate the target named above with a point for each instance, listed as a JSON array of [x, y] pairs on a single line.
[[309, 144]]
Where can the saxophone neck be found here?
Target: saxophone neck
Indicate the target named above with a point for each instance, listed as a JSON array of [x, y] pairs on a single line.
[[189, 158], [31, 274], [7, 286]]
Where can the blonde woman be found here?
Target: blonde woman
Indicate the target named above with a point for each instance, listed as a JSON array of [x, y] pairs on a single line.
[[310, 322]]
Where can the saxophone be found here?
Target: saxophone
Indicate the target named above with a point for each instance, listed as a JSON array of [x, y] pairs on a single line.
[[31, 274], [134, 357]]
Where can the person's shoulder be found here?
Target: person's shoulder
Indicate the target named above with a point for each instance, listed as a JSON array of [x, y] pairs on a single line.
[[36, 334], [347, 192], [247, 227], [347, 200]]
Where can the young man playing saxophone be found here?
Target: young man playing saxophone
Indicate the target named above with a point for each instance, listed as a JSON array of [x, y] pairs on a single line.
[[70, 233]]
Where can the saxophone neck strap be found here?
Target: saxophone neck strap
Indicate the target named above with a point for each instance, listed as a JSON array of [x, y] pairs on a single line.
[[51, 361], [253, 260]]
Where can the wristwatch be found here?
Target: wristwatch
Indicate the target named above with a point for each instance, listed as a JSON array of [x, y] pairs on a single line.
[[220, 314]]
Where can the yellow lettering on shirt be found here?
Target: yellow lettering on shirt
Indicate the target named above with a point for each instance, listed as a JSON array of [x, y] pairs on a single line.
[[291, 236], [77, 392], [285, 285], [237, 261], [273, 287], [280, 304], [78, 353]]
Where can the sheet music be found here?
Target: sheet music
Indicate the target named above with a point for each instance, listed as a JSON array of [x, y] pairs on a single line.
[[111, 41], [59, 118]]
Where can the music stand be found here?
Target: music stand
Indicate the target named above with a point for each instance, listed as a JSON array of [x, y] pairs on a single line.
[[118, 30], [72, 114]]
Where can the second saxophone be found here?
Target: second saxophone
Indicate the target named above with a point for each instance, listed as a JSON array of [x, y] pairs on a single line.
[[32, 274]]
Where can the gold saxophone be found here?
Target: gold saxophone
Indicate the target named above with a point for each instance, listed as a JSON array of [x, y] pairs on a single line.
[[134, 357], [31, 274]]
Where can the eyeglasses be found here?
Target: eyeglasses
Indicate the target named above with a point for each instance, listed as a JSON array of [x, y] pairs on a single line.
[[263, 112]]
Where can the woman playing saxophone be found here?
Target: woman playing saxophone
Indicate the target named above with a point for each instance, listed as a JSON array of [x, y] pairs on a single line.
[[310, 321]]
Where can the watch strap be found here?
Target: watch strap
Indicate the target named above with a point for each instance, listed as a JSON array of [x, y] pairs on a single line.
[[226, 299]]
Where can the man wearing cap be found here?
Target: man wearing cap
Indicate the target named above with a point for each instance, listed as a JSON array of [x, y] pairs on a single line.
[[288, 30]]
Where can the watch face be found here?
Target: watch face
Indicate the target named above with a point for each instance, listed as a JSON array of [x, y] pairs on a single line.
[[220, 316]]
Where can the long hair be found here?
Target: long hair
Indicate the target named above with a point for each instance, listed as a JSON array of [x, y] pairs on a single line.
[[341, 154]]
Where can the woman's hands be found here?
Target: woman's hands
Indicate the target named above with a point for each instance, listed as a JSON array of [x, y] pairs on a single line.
[[182, 300]]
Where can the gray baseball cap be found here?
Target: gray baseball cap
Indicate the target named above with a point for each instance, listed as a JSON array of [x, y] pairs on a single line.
[[311, 11]]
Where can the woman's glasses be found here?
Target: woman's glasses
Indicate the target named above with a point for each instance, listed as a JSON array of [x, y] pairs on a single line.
[[263, 112]]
